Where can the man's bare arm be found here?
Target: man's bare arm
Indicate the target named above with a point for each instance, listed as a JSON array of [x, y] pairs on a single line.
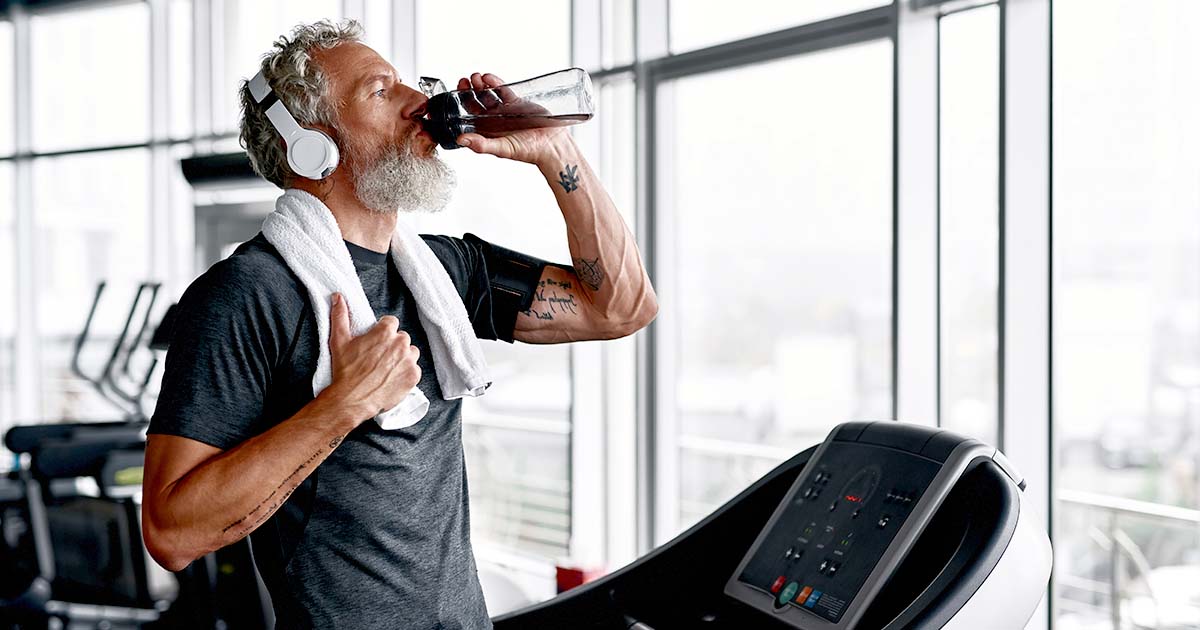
[[606, 292], [197, 498]]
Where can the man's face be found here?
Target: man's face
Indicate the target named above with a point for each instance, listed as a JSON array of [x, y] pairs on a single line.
[[392, 161]]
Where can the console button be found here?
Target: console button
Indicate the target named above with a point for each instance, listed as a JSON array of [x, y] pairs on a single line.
[[812, 599], [803, 596], [883, 521], [789, 592], [778, 583], [833, 567]]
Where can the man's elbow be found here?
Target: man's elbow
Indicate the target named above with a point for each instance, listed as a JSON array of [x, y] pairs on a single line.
[[160, 547], [636, 320]]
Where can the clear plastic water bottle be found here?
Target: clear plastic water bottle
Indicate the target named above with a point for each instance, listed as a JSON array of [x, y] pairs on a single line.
[[557, 99]]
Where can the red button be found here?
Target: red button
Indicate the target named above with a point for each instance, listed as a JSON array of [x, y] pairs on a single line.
[[778, 584]]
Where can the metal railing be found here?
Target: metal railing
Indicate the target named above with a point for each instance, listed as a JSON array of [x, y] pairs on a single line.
[[1123, 553]]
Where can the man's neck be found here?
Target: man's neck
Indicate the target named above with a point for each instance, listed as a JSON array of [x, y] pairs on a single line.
[[359, 225]]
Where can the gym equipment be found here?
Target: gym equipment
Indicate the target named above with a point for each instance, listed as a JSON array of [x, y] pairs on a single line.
[[71, 515], [882, 526]]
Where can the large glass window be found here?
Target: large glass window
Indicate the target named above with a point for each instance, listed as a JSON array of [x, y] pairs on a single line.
[[782, 238], [700, 23], [91, 76], [455, 39], [1127, 313], [91, 221], [182, 73], [8, 294], [7, 89], [969, 220]]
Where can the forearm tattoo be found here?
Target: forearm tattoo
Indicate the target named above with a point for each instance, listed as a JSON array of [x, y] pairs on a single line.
[[569, 178], [589, 272], [547, 306], [286, 483]]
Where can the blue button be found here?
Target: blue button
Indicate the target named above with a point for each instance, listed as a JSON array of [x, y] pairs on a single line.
[[812, 599]]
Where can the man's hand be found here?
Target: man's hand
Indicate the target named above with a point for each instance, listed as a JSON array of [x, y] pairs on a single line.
[[533, 146], [375, 371]]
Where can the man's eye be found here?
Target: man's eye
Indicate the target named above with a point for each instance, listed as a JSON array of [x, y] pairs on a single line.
[[380, 91]]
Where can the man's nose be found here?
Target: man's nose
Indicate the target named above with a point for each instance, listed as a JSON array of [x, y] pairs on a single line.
[[414, 104]]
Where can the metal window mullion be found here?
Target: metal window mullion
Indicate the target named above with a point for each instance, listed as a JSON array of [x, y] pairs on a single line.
[[587, 470], [915, 357], [1025, 419], [26, 357], [654, 444]]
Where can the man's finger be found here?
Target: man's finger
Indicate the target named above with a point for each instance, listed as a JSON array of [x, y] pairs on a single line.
[[339, 323]]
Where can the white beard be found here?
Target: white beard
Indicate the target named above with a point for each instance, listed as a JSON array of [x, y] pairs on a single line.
[[401, 181]]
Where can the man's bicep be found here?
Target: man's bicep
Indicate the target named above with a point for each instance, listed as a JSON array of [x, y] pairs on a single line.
[[560, 312]]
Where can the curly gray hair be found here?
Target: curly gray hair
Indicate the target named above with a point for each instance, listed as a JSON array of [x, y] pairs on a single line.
[[301, 85]]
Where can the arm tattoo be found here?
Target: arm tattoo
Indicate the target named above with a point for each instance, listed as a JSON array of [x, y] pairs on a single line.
[[547, 306], [569, 179], [589, 272], [274, 506]]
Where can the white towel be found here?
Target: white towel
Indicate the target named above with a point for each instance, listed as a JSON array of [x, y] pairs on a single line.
[[306, 234]]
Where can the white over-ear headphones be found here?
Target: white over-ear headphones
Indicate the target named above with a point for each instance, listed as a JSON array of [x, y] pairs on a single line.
[[310, 152]]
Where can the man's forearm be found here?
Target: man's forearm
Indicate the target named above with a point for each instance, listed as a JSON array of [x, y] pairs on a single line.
[[604, 252], [228, 496]]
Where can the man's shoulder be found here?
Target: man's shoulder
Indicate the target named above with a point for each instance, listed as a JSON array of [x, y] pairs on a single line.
[[255, 272]]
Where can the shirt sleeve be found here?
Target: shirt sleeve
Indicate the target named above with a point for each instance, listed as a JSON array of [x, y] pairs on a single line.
[[495, 283], [226, 339]]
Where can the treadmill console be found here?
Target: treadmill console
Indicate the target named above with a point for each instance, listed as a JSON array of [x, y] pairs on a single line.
[[846, 522]]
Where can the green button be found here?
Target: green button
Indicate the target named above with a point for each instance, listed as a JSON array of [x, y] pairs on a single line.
[[788, 592]]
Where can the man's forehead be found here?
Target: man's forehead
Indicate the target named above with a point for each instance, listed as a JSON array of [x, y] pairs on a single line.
[[350, 63]]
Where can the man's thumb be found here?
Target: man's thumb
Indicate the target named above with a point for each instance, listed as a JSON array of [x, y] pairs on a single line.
[[339, 322]]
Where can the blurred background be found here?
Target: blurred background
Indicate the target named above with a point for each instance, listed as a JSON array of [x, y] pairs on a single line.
[[983, 216]]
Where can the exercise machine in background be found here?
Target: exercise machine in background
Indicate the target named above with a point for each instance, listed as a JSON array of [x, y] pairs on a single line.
[[71, 512]]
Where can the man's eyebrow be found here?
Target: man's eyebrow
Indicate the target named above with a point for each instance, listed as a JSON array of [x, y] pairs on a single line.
[[376, 76]]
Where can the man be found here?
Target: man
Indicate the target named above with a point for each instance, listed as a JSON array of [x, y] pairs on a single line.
[[352, 525]]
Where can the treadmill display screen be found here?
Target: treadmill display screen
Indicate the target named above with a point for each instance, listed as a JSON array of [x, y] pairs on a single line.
[[838, 524]]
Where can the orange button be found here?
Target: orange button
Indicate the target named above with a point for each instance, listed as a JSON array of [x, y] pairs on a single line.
[[803, 596]]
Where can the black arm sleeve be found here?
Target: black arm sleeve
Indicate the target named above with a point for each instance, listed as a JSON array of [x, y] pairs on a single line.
[[496, 283]]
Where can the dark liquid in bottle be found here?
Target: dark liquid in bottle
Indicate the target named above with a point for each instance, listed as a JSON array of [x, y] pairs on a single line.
[[491, 125], [445, 124]]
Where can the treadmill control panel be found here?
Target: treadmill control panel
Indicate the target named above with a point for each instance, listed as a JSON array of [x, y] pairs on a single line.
[[835, 525]]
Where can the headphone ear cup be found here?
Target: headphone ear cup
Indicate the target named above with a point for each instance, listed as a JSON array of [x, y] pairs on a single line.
[[312, 154]]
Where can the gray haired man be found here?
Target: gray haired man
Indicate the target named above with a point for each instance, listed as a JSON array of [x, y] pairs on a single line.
[[352, 525]]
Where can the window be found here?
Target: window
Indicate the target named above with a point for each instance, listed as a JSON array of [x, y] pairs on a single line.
[[250, 29], [7, 89], [780, 229], [455, 39], [701, 23], [91, 77], [8, 289], [969, 220], [616, 33], [179, 63], [1127, 313], [91, 221]]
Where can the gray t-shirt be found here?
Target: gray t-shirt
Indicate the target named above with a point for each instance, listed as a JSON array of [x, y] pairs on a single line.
[[379, 535]]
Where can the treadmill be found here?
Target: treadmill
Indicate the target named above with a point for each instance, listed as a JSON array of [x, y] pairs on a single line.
[[883, 526]]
